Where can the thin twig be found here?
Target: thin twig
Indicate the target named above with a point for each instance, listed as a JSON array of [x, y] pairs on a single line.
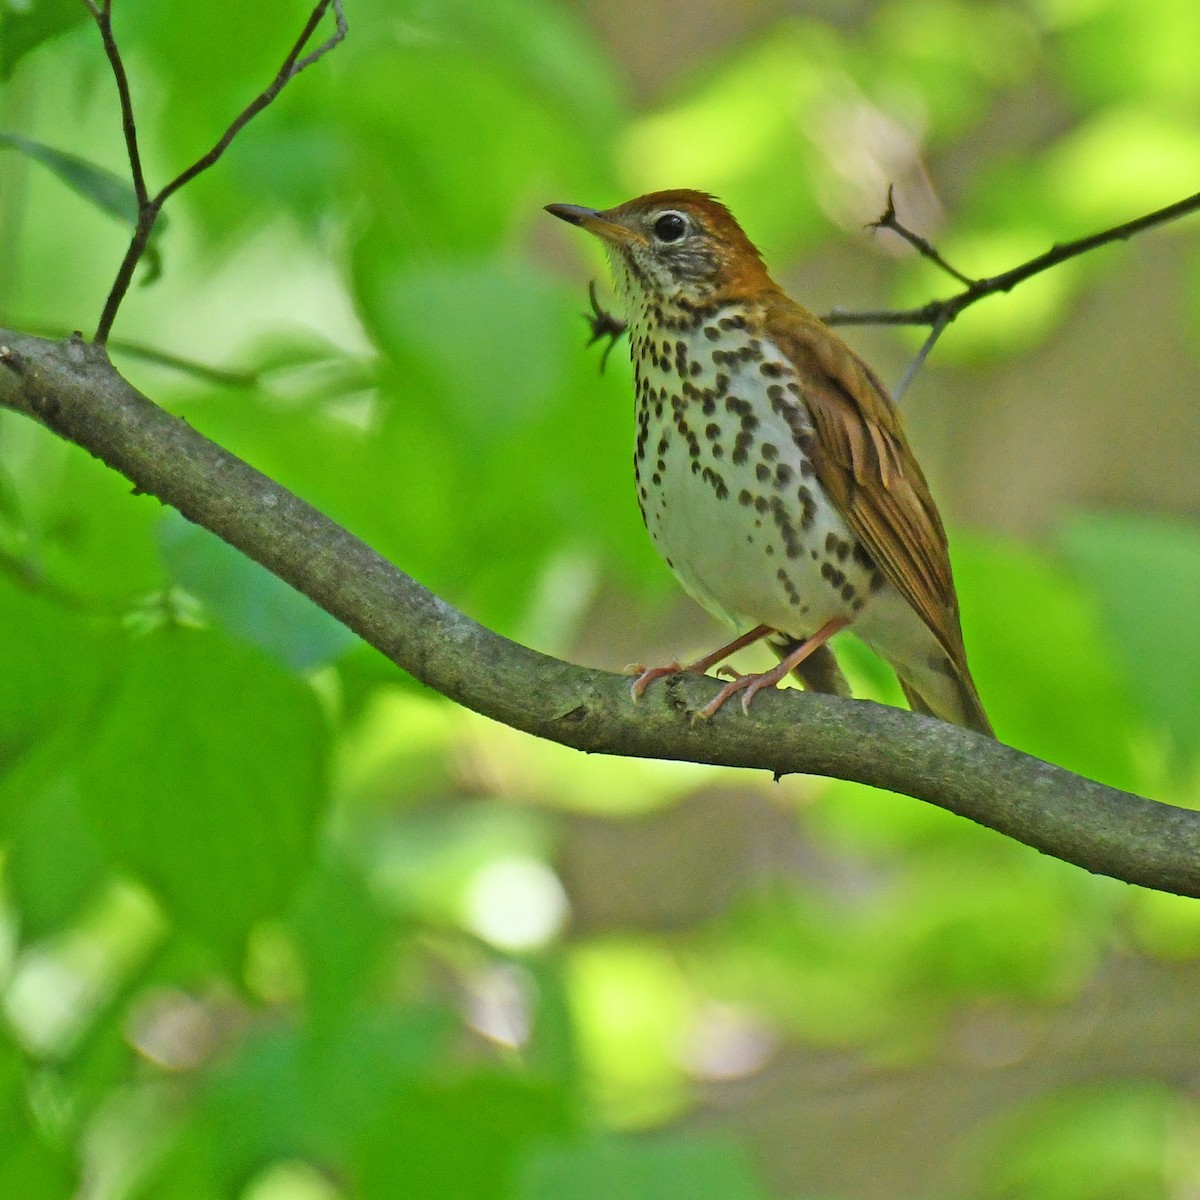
[[324, 48], [103, 18], [287, 72], [917, 363], [150, 207], [944, 311], [224, 376], [938, 314], [925, 248]]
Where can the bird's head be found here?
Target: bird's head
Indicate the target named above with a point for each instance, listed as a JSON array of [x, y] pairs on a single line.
[[672, 245]]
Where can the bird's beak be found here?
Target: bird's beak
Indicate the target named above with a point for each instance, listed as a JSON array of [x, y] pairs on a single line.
[[595, 222]]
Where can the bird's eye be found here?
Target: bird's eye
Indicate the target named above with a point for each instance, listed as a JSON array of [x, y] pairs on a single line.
[[670, 227]]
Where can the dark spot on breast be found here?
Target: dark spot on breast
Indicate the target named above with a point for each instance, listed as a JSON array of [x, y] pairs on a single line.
[[783, 474], [772, 370], [808, 506], [832, 574], [762, 472]]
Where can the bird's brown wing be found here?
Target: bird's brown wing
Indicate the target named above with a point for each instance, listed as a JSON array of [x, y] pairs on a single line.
[[863, 461]]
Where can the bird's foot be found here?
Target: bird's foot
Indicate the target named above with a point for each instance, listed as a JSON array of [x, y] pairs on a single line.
[[647, 675], [751, 685], [748, 685]]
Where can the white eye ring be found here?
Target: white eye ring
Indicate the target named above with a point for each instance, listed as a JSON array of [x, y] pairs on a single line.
[[670, 226]]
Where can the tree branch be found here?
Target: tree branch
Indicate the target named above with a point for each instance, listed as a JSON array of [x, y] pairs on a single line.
[[72, 389], [942, 312]]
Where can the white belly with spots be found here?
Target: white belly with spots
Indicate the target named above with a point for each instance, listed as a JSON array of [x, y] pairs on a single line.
[[726, 489]]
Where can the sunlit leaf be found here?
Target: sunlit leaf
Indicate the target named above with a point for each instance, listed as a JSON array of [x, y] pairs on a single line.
[[630, 1002]]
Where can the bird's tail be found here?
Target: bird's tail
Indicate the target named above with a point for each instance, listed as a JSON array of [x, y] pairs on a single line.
[[947, 692]]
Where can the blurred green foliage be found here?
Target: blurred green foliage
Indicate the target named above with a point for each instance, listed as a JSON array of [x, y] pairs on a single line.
[[278, 925]]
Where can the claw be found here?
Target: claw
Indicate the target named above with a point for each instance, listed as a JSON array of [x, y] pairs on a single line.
[[648, 676], [751, 685]]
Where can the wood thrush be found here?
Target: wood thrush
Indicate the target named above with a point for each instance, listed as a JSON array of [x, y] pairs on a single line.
[[772, 470]]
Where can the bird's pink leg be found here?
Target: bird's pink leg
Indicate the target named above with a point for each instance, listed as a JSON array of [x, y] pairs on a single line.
[[647, 677], [752, 684]]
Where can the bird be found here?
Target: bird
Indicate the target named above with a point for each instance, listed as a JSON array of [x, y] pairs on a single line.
[[771, 466]]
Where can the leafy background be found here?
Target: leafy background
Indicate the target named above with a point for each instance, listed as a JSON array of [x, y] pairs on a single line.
[[278, 924]]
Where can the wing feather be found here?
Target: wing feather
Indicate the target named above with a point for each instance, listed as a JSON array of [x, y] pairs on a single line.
[[865, 464]]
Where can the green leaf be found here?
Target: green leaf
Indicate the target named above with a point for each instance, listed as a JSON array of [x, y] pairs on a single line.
[[108, 191], [458, 1141], [25, 30], [665, 1169], [206, 778], [422, 314], [50, 662], [55, 862], [1145, 573], [282, 1095], [1042, 663], [1115, 1141], [247, 600]]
